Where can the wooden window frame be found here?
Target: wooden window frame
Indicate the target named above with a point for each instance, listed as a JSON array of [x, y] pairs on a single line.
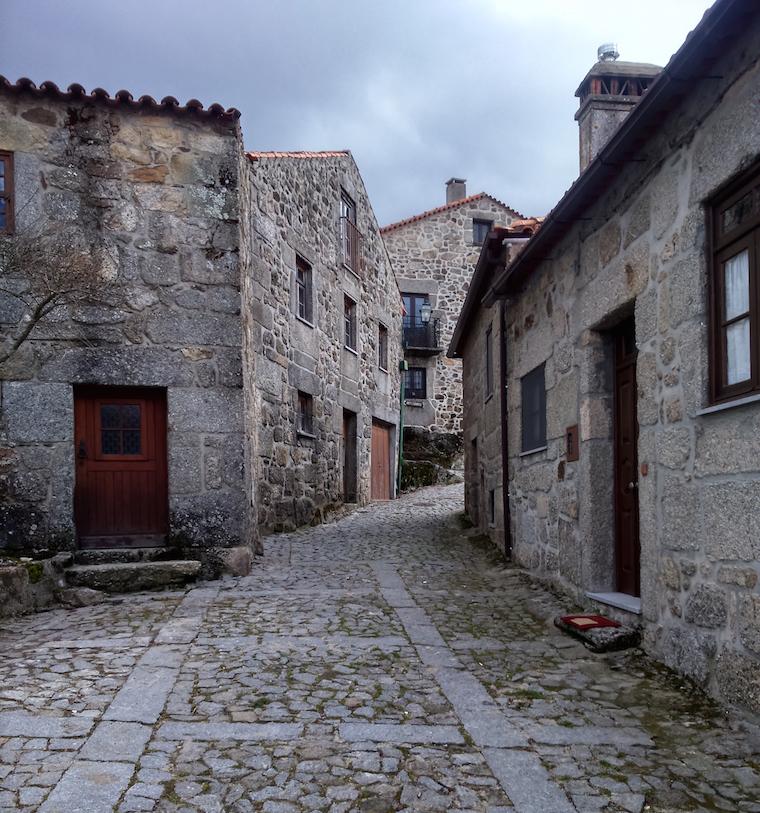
[[489, 362], [382, 347], [529, 444], [350, 324], [8, 193], [723, 245], [304, 291], [305, 414], [146, 442], [413, 394], [480, 221]]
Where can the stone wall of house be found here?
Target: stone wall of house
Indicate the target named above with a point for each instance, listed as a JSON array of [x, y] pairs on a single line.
[[155, 196], [481, 428], [436, 256], [296, 211], [643, 251]]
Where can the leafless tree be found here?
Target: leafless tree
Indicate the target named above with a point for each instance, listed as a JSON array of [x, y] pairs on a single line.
[[42, 269]]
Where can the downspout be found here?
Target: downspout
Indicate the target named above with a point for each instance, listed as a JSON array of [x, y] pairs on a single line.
[[504, 428], [402, 366]]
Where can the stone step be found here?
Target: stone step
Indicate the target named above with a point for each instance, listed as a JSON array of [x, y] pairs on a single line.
[[128, 577], [103, 556]]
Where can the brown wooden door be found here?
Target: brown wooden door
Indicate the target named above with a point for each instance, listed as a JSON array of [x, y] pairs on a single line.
[[627, 548], [381, 461], [349, 456], [121, 473]]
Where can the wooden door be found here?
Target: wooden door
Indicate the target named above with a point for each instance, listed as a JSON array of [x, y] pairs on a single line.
[[349, 456], [121, 497], [626, 435], [381, 461]]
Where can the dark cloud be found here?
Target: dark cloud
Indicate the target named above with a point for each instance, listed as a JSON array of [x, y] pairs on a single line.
[[419, 90]]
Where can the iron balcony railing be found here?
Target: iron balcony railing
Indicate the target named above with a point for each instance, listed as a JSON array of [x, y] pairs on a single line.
[[419, 335], [351, 245]]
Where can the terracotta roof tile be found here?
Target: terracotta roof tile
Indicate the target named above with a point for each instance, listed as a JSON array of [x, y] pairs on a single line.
[[257, 155], [122, 98], [446, 207]]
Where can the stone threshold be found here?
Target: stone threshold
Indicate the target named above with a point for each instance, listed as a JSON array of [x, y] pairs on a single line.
[[622, 601]]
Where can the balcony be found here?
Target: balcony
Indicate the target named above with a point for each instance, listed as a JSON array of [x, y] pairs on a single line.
[[420, 338], [351, 245]]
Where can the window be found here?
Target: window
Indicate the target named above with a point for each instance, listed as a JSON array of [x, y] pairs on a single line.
[[303, 290], [6, 192], [480, 229], [489, 362], [305, 413], [533, 410], [349, 234], [492, 508], [120, 431], [349, 309], [382, 346], [415, 383], [735, 319]]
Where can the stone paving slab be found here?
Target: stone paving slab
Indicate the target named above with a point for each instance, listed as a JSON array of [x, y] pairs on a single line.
[[527, 782], [20, 724], [254, 732], [143, 696], [116, 742], [415, 734], [94, 787]]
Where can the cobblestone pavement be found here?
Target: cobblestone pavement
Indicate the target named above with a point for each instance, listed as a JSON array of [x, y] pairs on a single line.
[[385, 662]]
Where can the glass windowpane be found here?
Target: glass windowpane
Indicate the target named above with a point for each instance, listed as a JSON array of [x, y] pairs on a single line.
[[736, 276], [110, 441], [109, 416], [737, 352], [131, 441], [130, 416]]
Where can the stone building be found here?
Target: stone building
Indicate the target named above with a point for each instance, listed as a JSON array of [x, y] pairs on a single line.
[[433, 255], [327, 334], [633, 376], [133, 417]]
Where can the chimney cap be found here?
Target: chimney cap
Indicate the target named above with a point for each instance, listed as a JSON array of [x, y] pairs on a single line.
[[456, 180], [607, 52]]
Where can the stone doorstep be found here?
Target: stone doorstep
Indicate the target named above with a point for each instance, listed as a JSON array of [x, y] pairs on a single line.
[[602, 639], [128, 577]]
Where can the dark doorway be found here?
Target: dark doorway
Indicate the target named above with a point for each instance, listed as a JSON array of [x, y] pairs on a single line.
[[349, 456], [121, 497], [626, 435], [381, 461]]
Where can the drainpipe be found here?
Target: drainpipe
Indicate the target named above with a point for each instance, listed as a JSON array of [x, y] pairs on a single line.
[[504, 428], [402, 366]]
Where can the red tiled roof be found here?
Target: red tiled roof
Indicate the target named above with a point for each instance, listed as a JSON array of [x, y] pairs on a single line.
[[256, 155], [122, 98], [527, 225], [446, 207]]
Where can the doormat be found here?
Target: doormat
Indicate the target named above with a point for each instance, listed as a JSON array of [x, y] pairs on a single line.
[[599, 634]]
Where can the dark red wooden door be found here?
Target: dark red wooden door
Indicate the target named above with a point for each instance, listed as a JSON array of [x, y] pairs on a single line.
[[627, 548], [121, 472], [381, 461]]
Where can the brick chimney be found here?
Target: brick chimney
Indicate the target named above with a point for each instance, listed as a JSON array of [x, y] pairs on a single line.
[[456, 189], [607, 95]]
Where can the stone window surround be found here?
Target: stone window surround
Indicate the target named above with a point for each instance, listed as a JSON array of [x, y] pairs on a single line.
[[480, 221], [305, 414], [308, 288], [382, 346], [350, 324], [525, 441]]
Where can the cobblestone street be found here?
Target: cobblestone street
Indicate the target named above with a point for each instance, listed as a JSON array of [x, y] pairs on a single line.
[[384, 662]]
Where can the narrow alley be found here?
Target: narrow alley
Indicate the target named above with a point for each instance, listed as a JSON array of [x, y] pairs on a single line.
[[388, 661]]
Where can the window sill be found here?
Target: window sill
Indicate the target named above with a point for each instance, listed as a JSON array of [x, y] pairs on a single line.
[[308, 435], [533, 451], [621, 601], [382, 369], [488, 398], [414, 402], [351, 350], [739, 402], [304, 321], [351, 271]]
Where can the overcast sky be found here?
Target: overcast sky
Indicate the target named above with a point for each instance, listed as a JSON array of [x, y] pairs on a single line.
[[419, 90]]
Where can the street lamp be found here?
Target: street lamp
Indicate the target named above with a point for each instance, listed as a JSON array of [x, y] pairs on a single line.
[[425, 312]]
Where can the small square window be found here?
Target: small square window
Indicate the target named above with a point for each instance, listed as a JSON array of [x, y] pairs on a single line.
[[349, 313], [382, 346], [304, 298], [305, 413], [533, 410], [415, 383], [480, 229]]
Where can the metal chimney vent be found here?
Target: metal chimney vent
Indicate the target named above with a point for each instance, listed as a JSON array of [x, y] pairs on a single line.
[[607, 52]]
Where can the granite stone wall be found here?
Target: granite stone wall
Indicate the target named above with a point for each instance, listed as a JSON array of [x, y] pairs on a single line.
[[296, 212], [643, 252], [155, 195], [436, 256]]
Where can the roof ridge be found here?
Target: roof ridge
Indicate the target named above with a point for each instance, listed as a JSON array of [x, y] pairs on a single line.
[[122, 98], [254, 155], [445, 207]]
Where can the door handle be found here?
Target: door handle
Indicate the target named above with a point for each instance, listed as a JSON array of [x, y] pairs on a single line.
[[82, 453], [631, 487]]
